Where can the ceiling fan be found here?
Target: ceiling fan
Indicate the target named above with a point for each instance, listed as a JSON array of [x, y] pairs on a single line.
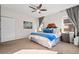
[[37, 8]]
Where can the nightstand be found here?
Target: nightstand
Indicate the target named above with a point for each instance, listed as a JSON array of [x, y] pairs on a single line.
[[65, 37]]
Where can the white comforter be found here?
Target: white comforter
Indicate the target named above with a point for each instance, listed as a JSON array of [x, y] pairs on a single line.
[[42, 40]]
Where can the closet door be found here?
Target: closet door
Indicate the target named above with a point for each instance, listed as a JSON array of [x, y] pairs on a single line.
[[7, 29]]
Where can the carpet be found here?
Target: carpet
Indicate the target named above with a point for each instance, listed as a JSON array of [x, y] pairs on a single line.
[[33, 51]]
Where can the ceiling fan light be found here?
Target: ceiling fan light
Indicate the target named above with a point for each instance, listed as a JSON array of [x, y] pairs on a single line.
[[38, 10]]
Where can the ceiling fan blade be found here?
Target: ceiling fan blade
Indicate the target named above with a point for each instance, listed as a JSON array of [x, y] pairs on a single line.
[[33, 11], [43, 9], [39, 6], [32, 7]]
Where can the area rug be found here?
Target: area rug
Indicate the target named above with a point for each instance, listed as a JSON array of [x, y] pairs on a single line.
[[34, 51]]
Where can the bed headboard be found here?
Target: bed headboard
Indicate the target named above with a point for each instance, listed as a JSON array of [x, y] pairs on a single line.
[[51, 25]]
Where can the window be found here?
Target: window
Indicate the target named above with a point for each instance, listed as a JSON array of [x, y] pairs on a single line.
[[68, 26], [41, 27]]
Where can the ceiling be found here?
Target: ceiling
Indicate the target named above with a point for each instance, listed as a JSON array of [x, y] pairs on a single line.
[[24, 9]]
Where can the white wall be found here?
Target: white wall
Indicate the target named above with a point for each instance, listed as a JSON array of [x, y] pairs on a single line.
[[55, 18], [20, 32]]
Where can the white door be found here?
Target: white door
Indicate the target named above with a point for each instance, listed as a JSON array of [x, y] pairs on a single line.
[[7, 29]]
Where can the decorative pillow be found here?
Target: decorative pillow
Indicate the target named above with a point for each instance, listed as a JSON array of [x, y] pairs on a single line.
[[48, 30]]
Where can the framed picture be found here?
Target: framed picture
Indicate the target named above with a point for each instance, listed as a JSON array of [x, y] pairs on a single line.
[[27, 25]]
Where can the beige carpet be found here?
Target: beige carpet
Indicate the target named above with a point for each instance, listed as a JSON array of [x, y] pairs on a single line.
[[34, 51], [23, 44]]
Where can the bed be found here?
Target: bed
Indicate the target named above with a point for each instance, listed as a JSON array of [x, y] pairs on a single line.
[[46, 39]]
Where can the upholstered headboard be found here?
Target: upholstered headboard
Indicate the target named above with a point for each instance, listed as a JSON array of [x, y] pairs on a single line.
[[51, 25]]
